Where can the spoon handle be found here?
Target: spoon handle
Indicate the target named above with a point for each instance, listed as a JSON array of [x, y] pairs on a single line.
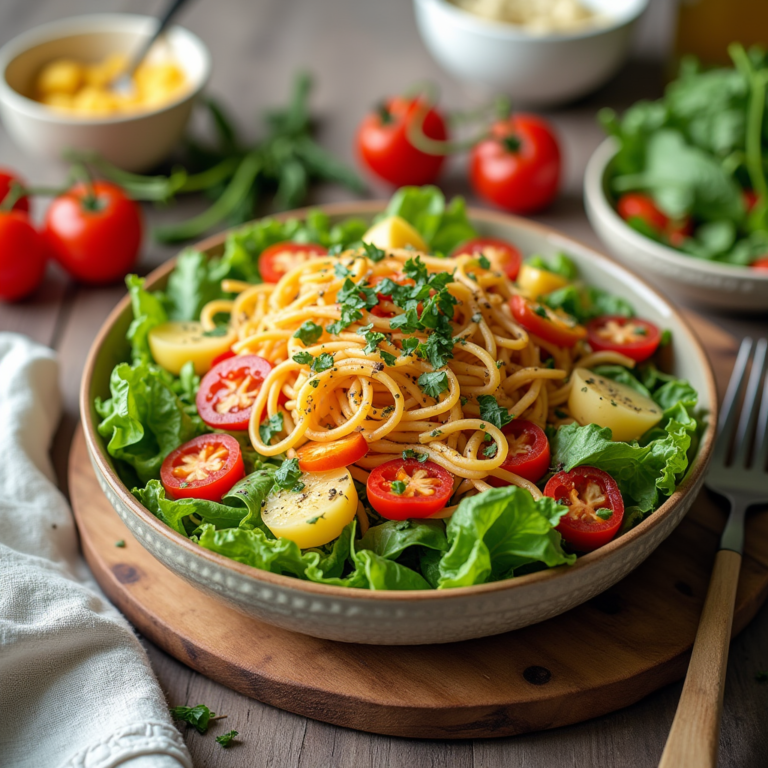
[[163, 23]]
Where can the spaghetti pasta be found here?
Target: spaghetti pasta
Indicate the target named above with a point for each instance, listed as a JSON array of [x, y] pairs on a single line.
[[365, 371]]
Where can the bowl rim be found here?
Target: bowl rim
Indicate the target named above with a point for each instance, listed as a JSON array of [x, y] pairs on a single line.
[[91, 23], [692, 345], [594, 194], [511, 32]]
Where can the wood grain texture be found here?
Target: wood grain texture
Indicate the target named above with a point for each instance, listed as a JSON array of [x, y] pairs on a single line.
[[360, 50], [694, 737]]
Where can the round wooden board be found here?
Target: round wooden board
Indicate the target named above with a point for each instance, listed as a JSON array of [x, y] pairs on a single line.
[[599, 657]]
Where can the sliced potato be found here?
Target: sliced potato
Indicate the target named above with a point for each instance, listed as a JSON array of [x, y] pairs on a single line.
[[315, 515], [536, 282], [174, 343], [597, 400], [394, 232]]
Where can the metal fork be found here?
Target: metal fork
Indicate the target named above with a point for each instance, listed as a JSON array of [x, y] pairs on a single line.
[[743, 480]]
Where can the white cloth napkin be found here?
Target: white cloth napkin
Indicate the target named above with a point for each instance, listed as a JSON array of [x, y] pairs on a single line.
[[76, 688]]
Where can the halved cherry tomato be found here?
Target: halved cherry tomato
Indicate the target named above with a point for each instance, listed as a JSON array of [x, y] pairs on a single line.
[[518, 166], [596, 507], [502, 255], [281, 258], [426, 488], [7, 177], [636, 205], [206, 467], [761, 263], [529, 452], [542, 321], [629, 336], [385, 148], [228, 391], [222, 357], [322, 457]]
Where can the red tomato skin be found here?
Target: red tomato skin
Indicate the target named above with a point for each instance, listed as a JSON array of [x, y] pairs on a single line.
[[523, 180], [100, 246], [271, 273], [761, 264], [581, 535], [637, 350], [237, 366], [524, 314], [395, 507], [222, 357], [750, 199], [511, 258], [636, 205], [385, 150], [339, 453], [7, 177], [679, 231], [218, 484], [534, 465], [23, 256]]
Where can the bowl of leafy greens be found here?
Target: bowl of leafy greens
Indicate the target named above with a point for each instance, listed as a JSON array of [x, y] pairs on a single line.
[[678, 192], [477, 529]]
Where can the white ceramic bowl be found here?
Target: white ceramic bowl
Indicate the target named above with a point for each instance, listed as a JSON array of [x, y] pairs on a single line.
[[423, 616], [533, 69], [708, 283], [134, 142]]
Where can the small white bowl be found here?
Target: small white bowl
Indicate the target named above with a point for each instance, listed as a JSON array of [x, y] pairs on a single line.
[[532, 69], [135, 141], [708, 283]]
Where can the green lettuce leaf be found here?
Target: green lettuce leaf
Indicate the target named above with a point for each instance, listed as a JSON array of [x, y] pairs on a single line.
[[389, 540], [493, 534], [144, 420], [148, 311], [586, 302], [560, 264]]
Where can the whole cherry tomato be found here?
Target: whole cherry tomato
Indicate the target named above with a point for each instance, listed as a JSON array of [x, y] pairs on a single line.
[[205, 467], [529, 452], [94, 231], [385, 148], [323, 457], [761, 264], [518, 166], [636, 205], [22, 256], [408, 488], [7, 177], [630, 336], [279, 259], [595, 506], [502, 254], [542, 321]]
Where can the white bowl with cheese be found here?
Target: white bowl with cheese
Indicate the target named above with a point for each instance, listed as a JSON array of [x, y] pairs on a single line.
[[132, 141], [537, 68]]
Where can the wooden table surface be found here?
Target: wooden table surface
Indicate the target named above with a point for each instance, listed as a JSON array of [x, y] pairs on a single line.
[[358, 51]]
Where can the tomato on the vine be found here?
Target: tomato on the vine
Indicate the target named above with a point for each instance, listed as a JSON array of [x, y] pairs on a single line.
[[502, 255], [205, 467], [529, 452], [323, 457], [385, 147], [22, 256], [630, 336], [279, 259], [228, 391], [7, 177], [595, 506], [406, 488], [542, 321], [94, 231], [518, 166]]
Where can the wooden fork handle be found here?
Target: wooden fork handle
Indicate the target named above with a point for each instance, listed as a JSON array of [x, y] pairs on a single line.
[[693, 739]]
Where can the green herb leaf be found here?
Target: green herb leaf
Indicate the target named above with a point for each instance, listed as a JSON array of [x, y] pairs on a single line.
[[322, 362], [433, 384], [604, 513], [226, 738], [198, 716], [492, 412], [271, 427], [373, 252], [288, 476], [397, 487], [303, 358], [308, 333]]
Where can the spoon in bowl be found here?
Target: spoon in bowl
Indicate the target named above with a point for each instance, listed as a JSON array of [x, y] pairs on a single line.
[[123, 83]]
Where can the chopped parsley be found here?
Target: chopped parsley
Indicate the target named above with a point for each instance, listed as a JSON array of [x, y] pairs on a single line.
[[271, 427], [340, 270], [314, 383], [372, 338], [482, 260], [541, 312], [198, 716], [410, 345], [373, 252], [308, 332], [303, 358], [433, 384], [335, 250], [409, 453], [120, 543], [322, 362], [604, 513], [226, 738], [352, 298], [397, 487], [463, 400], [492, 412], [388, 358], [490, 450], [313, 520], [437, 349], [288, 476]]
